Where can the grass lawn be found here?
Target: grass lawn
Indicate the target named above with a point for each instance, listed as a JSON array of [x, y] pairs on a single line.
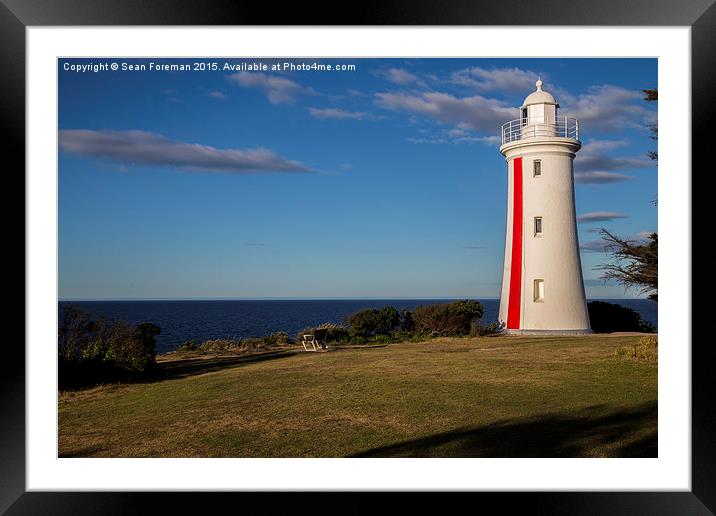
[[482, 397]]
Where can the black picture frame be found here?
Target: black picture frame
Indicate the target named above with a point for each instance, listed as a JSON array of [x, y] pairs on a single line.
[[17, 15]]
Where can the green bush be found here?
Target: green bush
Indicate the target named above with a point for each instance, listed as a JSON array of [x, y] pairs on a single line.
[[478, 329], [277, 339], [407, 323], [131, 348], [245, 345], [325, 332], [219, 345], [99, 351], [372, 321], [447, 319], [610, 317], [252, 345], [189, 345]]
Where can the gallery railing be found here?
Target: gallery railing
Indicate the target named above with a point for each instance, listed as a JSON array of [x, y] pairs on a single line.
[[527, 128]]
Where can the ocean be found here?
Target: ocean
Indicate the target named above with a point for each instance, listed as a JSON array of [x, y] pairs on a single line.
[[201, 320]]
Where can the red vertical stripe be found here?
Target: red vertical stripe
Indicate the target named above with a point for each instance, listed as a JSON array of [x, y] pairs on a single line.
[[515, 301]]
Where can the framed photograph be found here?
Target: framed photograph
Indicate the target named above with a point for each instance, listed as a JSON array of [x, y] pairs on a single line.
[[413, 253]]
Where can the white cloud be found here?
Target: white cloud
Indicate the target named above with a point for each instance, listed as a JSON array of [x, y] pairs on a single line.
[[278, 89], [217, 95], [145, 148], [337, 114], [507, 80], [401, 76], [607, 107], [475, 113], [595, 155], [447, 138], [596, 164]]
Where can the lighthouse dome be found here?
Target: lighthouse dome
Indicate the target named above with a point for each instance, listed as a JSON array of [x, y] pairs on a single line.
[[539, 97]]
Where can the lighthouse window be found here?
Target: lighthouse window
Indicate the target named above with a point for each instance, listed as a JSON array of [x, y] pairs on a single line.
[[538, 226], [538, 290], [524, 116], [537, 168]]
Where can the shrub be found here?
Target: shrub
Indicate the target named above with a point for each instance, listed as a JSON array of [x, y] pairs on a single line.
[[189, 345], [326, 332], [132, 348], [75, 334], [98, 351], [277, 339], [646, 348], [246, 345], [407, 323], [447, 319], [374, 321], [610, 317], [478, 329], [252, 345], [219, 345], [329, 332]]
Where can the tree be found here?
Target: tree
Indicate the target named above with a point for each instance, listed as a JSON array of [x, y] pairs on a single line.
[[374, 322], [609, 317], [653, 96], [447, 319], [636, 263]]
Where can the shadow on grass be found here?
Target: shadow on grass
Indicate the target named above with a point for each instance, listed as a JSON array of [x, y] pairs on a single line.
[[569, 434], [190, 367], [172, 370], [81, 453]]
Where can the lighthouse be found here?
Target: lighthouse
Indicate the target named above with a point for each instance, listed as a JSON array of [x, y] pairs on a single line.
[[542, 285]]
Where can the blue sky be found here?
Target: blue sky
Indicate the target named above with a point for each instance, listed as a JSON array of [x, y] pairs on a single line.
[[382, 181]]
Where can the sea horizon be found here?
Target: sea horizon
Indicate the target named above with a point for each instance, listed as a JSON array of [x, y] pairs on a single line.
[[390, 298], [182, 320]]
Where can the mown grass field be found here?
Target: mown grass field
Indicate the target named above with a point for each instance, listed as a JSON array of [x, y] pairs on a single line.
[[481, 397]]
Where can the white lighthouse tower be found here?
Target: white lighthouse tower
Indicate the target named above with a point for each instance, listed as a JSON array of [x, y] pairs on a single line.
[[542, 285]]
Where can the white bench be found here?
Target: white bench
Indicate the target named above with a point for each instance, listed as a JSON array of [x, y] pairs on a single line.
[[310, 340]]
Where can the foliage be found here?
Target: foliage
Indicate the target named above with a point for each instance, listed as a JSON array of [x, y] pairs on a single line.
[[652, 96], [329, 332], [447, 319], [325, 332], [245, 345], [609, 317], [219, 345], [383, 321], [253, 345], [478, 329], [231, 345], [75, 333], [277, 339], [407, 323], [98, 351], [636, 263], [132, 348], [402, 330], [189, 345], [646, 348]]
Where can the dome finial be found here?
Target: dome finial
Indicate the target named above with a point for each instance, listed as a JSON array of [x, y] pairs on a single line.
[[539, 84]]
